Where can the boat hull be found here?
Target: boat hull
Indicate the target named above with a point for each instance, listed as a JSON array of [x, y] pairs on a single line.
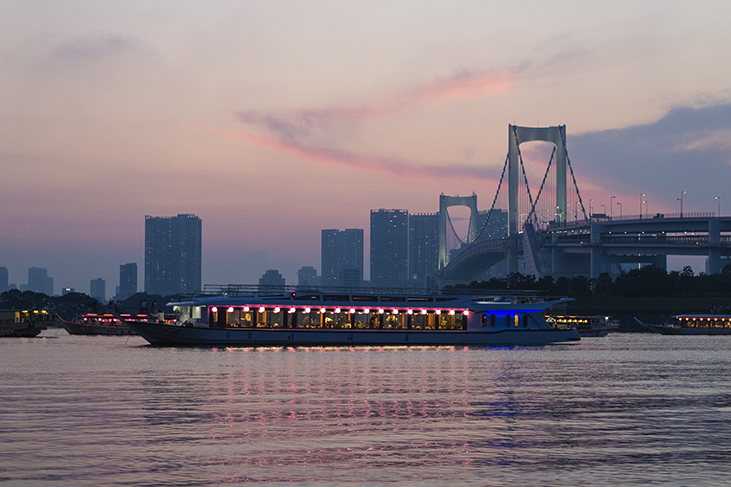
[[25, 330], [80, 329], [167, 335], [669, 330], [596, 331]]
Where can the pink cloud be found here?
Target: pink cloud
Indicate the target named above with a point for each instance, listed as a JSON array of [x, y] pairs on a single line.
[[324, 155], [462, 86], [289, 132]]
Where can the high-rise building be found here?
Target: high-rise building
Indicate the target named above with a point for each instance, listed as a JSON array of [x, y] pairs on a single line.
[[389, 248], [172, 254], [272, 280], [341, 255], [307, 277], [423, 246], [127, 280], [39, 281], [98, 288], [3, 279]]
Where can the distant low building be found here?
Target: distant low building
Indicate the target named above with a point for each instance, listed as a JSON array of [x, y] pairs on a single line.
[[272, 280], [307, 277], [4, 286], [127, 280], [98, 288], [39, 281]]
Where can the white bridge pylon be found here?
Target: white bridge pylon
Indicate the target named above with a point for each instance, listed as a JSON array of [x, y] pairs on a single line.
[[444, 203], [516, 136]]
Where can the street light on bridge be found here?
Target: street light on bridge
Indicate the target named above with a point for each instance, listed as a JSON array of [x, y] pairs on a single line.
[[642, 200], [681, 203], [718, 199], [611, 207], [620, 209]]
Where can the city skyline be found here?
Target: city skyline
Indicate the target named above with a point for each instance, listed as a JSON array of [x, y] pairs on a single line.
[[273, 121]]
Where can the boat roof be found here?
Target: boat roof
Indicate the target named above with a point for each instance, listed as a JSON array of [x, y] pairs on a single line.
[[238, 295]]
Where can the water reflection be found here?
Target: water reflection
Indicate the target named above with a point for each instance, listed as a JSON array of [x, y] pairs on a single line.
[[606, 412]]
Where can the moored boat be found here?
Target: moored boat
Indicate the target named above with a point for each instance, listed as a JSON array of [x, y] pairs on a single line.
[[15, 323], [235, 317], [587, 326], [694, 324], [103, 324]]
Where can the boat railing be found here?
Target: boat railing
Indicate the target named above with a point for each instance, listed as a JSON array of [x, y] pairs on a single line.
[[242, 290]]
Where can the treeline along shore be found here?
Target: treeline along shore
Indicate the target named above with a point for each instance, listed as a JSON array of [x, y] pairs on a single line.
[[649, 293]]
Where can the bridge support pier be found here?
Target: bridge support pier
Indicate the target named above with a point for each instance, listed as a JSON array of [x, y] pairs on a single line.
[[513, 261], [598, 263], [714, 246]]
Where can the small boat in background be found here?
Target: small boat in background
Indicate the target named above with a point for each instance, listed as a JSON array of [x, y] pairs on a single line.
[[102, 324], [587, 326], [693, 324], [14, 323]]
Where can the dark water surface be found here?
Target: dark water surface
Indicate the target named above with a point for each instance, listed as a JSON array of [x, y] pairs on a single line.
[[627, 409]]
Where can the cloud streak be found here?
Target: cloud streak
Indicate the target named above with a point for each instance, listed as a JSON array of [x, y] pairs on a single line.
[[291, 132], [336, 157], [302, 123]]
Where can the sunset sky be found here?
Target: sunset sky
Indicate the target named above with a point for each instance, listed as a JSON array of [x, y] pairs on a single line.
[[272, 120]]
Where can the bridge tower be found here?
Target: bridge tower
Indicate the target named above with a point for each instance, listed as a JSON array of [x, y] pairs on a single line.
[[516, 136], [444, 203]]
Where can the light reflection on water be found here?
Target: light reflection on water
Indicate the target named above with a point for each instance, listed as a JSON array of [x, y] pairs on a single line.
[[625, 409]]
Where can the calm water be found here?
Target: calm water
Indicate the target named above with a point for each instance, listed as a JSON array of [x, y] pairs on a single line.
[[622, 410]]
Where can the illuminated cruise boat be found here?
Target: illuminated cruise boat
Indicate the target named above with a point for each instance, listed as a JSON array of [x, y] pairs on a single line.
[[694, 324], [234, 317]]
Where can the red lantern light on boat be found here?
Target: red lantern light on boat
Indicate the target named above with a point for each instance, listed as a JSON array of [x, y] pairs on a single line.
[[352, 311], [246, 308], [322, 310], [277, 309], [230, 309], [366, 310], [381, 311], [411, 311], [337, 310], [292, 310], [394, 311], [466, 312], [261, 309], [423, 311], [308, 310], [451, 312], [438, 312], [214, 309]]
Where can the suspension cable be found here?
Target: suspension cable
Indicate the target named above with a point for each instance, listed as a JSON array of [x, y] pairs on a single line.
[[545, 176], [568, 161], [489, 213]]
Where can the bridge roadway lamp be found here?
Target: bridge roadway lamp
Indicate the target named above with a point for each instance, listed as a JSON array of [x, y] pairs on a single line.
[[642, 200], [681, 203], [611, 208]]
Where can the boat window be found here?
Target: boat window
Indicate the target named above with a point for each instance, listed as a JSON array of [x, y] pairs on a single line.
[[484, 319], [335, 297], [507, 320], [492, 320], [517, 320], [365, 298], [525, 321]]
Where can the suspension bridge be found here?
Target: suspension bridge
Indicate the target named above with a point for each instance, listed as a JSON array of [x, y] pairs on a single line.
[[539, 237]]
